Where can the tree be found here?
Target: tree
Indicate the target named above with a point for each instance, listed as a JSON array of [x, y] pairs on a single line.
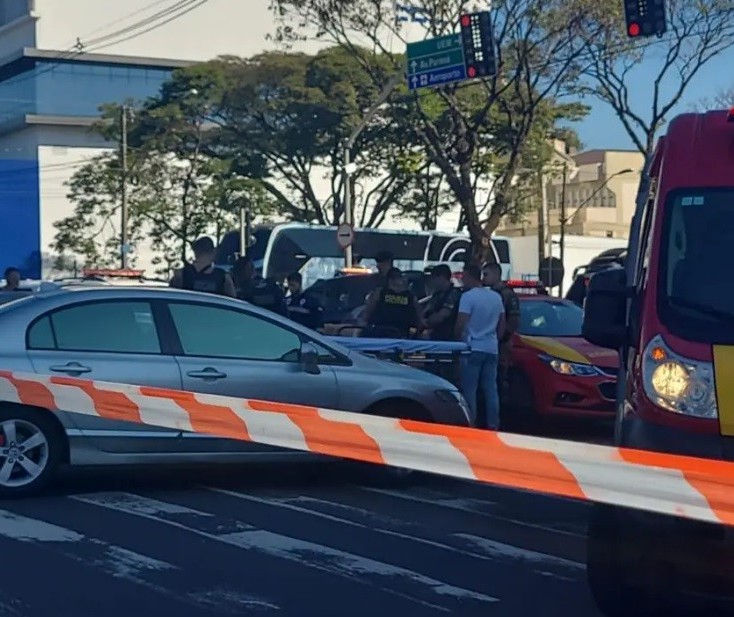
[[281, 119], [697, 33], [724, 99], [539, 45], [174, 196]]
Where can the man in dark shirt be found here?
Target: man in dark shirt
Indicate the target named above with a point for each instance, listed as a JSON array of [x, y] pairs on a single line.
[[392, 310], [263, 293], [301, 308], [202, 275], [12, 280], [443, 305]]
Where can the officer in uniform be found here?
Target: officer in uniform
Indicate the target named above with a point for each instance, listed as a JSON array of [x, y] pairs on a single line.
[[202, 275], [442, 306], [492, 277], [301, 308], [392, 310], [263, 293]]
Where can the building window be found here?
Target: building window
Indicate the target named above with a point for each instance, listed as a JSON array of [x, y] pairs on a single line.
[[10, 10]]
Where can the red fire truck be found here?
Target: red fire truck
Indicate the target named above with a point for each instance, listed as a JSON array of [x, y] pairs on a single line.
[[670, 313]]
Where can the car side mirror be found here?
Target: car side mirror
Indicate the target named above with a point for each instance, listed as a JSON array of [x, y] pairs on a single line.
[[605, 309], [309, 358]]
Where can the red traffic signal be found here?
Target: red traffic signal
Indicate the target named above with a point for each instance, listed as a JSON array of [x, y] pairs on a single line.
[[634, 29], [471, 72], [465, 21]]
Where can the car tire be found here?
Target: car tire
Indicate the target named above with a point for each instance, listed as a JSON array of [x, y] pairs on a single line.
[[46, 453], [394, 477], [618, 569]]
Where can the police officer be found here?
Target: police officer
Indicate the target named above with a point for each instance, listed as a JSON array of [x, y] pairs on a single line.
[[442, 306], [263, 293], [302, 309], [492, 277], [201, 274], [393, 309]]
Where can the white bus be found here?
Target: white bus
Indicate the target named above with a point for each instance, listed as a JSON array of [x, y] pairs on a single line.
[[313, 250]]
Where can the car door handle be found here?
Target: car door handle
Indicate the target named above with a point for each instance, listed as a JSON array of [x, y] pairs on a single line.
[[207, 373], [70, 367]]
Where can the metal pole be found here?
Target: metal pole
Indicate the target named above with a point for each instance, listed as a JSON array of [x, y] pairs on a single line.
[[124, 248], [243, 231], [562, 243], [348, 208], [547, 238]]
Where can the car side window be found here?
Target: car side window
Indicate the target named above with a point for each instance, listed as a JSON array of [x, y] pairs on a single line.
[[212, 331], [107, 327]]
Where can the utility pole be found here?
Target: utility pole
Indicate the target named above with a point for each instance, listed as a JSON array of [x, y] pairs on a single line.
[[124, 246], [562, 221]]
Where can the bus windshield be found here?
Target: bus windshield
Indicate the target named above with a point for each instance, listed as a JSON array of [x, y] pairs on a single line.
[[696, 297]]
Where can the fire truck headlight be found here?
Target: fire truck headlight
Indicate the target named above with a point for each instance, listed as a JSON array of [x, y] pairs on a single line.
[[678, 384]]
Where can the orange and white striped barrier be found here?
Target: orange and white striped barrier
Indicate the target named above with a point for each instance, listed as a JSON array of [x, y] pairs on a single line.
[[682, 486]]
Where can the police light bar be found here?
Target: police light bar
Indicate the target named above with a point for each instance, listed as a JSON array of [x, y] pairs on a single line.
[[355, 271], [127, 273], [519, 283]]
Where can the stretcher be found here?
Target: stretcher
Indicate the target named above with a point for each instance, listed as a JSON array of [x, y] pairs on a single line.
[[438, 357]]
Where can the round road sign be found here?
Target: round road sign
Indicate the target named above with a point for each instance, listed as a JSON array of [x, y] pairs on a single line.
[[550, 271], [345, 235]]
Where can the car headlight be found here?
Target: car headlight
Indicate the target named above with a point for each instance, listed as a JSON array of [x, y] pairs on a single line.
[[678, 384], [574, 369]]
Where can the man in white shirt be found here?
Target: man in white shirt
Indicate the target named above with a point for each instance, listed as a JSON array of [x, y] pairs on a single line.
[[480, 324]]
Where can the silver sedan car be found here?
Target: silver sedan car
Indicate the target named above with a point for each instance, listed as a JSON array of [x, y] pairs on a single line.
[[182, 340]]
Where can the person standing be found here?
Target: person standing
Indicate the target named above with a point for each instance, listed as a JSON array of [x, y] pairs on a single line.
[[201, 274], [441, 310], [393, 309], [12, 279], [263, 293], [301, 308], [492, 278], [480, 324]]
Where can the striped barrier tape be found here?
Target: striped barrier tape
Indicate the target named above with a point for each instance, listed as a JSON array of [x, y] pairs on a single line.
[[682, 486]]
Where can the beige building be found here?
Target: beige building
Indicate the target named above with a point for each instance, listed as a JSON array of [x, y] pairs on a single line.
[[599, 193]]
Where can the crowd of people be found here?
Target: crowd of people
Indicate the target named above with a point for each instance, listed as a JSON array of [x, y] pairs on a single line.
[[483, 315]]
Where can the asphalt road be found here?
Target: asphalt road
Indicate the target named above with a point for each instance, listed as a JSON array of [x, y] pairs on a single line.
[[308, 542]]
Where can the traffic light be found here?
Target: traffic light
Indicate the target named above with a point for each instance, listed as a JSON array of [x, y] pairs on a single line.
[[478, 42], [645, 17]]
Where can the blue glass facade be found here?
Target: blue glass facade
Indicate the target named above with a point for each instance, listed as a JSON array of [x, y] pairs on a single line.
[[53, 89], [75, 88]]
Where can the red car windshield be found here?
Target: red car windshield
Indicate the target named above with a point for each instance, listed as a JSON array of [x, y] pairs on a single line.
[[696, 296], [550, 317]]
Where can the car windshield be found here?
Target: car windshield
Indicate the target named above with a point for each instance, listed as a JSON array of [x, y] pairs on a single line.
[[695, 293], [550, 318]]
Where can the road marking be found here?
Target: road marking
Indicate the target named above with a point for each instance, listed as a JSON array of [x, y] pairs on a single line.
[[463, 507], [355, 568], [500, 550], [113, 560]]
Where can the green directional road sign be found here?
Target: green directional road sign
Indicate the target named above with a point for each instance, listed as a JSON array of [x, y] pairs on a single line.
[[435, 62]]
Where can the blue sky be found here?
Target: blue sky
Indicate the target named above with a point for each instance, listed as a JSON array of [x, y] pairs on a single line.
[[602, 129]]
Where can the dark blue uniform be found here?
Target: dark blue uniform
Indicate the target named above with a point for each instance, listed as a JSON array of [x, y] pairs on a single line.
[[305, 311]]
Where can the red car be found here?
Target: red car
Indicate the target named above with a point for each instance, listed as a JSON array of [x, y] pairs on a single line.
[[555, 372]]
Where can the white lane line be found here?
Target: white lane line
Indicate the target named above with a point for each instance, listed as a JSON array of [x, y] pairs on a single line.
[[355, 568], [115, 561], [451, 504], [498, 549], [492, 551]]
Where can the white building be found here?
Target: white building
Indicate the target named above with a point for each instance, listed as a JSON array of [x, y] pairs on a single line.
[[61, 59]]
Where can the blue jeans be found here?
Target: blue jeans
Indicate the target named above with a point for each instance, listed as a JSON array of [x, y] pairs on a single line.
[[479, 369]]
